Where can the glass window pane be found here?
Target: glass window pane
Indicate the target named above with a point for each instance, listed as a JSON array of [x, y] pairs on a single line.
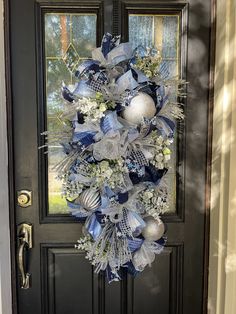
[[69, 38], [161, 32], [83, 34]]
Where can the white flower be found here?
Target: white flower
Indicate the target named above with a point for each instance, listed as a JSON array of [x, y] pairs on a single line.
[[102, 107], [148, 194], [166, 158], [108, 173], [159, 157], [104, 165], [92, 109]]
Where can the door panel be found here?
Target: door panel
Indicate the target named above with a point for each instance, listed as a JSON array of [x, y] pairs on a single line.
[[62, 280], [160, 286], [65, 290]]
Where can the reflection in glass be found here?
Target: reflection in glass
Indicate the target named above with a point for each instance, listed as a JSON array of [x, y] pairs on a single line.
[[69, 38], [161, 32]]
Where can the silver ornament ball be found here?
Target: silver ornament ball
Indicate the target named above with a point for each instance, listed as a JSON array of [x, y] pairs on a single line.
[[90, 199], [153, 230], [141, 106]]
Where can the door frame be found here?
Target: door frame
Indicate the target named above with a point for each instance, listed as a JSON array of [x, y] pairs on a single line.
[[10, 140], [5, 258]]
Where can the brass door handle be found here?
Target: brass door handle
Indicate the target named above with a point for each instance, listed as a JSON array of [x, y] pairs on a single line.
[[25, 243], [24, 276]]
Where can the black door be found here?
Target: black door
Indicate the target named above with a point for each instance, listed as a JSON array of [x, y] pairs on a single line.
[[48, 39]]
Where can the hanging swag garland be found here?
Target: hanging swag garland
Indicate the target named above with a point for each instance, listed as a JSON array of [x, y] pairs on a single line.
[[119, 123]]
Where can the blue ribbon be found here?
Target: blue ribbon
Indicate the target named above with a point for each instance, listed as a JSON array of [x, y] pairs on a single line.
[[164, 70], [131, 269], [79, 215], [67, 148], [108, 191], [93, 226], [123, 197], [99, 215], [104, 202], [140, 51], [169, 124], [86, 66], [67, 94], [127, 81], [135, 244], [108, 43], [75, 210], [84, 138], [110, 122], [111, 276], [82, 89], [152, 174], [136, 222], [100, 77], [140, 76], [161, 97], [73, 205], [161, 241]]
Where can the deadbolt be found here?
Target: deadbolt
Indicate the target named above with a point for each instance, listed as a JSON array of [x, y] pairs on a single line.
[[24, 198]]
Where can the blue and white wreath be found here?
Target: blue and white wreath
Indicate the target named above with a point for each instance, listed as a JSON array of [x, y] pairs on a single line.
[[119, 124]]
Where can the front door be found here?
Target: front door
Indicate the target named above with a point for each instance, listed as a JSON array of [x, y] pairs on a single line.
[[48, 39]]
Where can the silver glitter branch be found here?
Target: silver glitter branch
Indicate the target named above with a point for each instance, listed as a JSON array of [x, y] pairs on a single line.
[[111, 248]]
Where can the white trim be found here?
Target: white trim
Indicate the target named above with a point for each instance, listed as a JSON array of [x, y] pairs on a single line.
[[5, 265], [222, 271]]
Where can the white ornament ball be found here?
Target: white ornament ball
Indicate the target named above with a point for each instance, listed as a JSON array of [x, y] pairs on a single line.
[[141, 106], [90, 199], [153, 230]]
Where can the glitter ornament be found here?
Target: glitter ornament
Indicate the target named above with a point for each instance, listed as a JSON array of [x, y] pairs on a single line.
[[141, 106], [153, 230], [90, 199]]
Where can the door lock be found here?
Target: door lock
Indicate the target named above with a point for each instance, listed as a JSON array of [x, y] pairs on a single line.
[[24, 198]]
